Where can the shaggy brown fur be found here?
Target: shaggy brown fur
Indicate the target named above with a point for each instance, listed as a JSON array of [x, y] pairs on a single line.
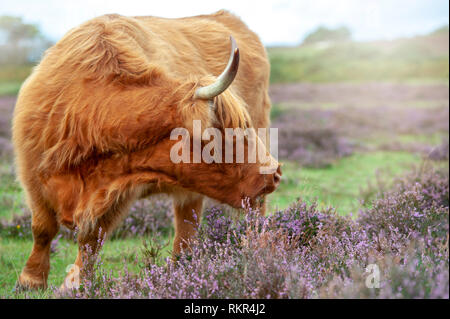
[[92, 123]]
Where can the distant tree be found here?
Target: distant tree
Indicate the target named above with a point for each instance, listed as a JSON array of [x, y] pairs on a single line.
[[20, 43], [324, 34], [442, 30]]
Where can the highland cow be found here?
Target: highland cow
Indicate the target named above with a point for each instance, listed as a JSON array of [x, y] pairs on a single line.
[[92, 123]]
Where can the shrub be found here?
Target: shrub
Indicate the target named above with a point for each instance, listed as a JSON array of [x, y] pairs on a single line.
[[416, 209]]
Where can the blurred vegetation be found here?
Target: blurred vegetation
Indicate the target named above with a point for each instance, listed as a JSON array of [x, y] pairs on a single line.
[[421, 58], [12, 76], [324, 34], [441, 31], [21, 46], [326, 55], [20, 43]]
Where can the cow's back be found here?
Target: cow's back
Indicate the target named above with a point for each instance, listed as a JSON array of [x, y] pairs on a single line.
[[200, 46]]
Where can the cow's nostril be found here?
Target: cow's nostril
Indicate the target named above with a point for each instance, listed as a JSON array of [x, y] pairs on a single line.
[[276, 178]]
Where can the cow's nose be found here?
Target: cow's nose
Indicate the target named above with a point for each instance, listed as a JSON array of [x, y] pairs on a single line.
[[271, 182]]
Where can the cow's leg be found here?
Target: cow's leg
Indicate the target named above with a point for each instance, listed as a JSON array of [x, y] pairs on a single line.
[[188, 213], [44, 227], [88, 245], [90, 241]]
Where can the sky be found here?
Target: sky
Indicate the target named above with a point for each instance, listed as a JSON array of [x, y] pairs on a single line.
[[277, 22]]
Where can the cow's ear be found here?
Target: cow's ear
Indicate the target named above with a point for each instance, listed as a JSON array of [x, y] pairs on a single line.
[[191, 110], [231, 111]]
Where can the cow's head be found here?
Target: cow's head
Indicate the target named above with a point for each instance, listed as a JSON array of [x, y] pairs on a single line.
[[218, 106]]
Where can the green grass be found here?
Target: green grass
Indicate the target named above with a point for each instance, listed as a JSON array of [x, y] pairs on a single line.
[[280, 107], [430, 139], [115, 255], [340, 184], [384, 138]]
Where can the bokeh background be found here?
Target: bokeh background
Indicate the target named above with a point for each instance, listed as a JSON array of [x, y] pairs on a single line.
[[360, 93]]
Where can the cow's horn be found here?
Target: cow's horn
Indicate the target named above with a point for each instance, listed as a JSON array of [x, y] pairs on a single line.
[[224, 80]]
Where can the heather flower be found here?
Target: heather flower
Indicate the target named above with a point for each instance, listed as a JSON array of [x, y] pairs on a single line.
[[300, 252]]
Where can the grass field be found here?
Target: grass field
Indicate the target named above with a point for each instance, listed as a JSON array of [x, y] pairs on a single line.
[[14, 253], [341, 184]]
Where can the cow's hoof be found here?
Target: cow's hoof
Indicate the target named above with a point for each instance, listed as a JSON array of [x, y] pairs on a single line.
[[71, 282], [18, 288], [26, 283]]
